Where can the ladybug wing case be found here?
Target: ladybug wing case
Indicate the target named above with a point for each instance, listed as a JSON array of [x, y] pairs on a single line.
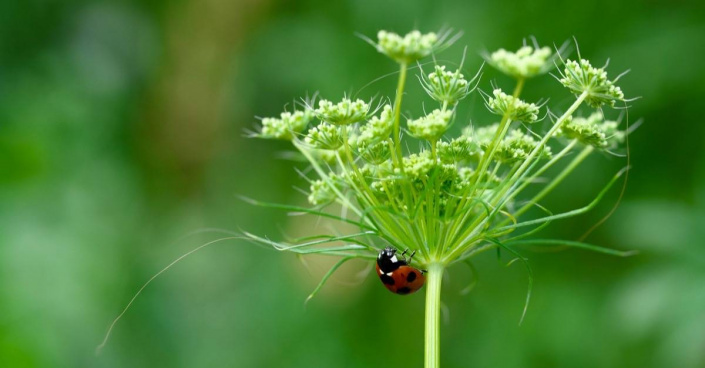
[[404, 280]]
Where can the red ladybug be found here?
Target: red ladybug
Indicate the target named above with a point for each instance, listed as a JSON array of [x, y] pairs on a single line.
[[396, 274]]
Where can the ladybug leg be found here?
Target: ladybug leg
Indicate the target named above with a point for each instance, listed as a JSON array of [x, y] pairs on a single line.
[[410, 257], [404, 252]]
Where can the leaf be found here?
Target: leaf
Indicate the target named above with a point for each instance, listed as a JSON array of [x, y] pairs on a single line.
[[528, 269], [572, 213], [305, 210], [575, 244], [297, 248], [326, 277]]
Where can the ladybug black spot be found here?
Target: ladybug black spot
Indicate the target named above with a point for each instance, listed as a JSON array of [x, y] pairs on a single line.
[[403, 291], [411, 277], [387, 280]]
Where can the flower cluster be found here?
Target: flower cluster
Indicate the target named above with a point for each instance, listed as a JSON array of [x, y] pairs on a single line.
[[514, 108], [286, 126], [345, 112], [593, 131], [432, 126], [378, 128], [446, 86], [581, 77], [517, 146], [325, 136], [446, 197], [413, 46], [527, 62]]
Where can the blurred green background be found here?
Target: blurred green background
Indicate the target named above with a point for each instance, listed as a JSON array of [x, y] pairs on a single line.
[[121, 131]]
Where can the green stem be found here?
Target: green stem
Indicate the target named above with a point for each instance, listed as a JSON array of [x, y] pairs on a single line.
[[397, 113], [433, 315], [557, 180]]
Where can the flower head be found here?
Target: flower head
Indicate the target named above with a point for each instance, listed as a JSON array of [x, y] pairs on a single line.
[[413, 46], [320, 193], [517, 146], [516, 109], [458, 150], [593, 131], [527, 62], [446, 86], [325, 136], [378, 128], [345, 112], [581, 77], [286, 126], [432, 126], [374, 153]]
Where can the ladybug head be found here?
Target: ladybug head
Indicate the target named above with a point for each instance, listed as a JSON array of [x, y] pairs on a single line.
[[387, 253]]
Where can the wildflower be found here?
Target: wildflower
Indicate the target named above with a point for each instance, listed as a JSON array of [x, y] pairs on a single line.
[[286, 126], [581, 77], [446, 86], [374, 153], [325, 136], [413, 46], [514, 108], [458, 150], [593, 131], [517, 146], [378, 128], [527, 62], [345, 112], [432, 126], [321, 193]]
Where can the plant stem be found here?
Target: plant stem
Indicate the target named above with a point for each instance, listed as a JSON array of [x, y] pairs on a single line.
[[433, 315], [397, 112], [557, 180]]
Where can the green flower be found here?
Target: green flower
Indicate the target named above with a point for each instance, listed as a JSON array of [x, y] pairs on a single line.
[[432, 126], [581, 77], [517, 145], [458, 150], [527, 62], [378, 128], [325, 136], [375, 153], [407, 49], [593, 131], [446, 86], [286, 126], [320, 193], [514, 108], [345, 112]]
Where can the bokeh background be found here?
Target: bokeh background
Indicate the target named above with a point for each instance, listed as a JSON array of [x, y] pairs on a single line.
[[121, 144]]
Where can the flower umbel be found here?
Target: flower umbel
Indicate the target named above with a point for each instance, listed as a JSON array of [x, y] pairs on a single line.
[[325, 136], [527, 62], [514, 108], [581, 77], [445, 197], [286, 126], [345, 112], [593, 131], [407, 49], [446, 86], [432, 126]]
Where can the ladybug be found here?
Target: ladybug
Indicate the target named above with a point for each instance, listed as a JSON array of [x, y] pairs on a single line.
[[396, 274]]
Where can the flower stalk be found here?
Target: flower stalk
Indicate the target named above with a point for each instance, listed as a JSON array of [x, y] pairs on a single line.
[[432, 340]]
